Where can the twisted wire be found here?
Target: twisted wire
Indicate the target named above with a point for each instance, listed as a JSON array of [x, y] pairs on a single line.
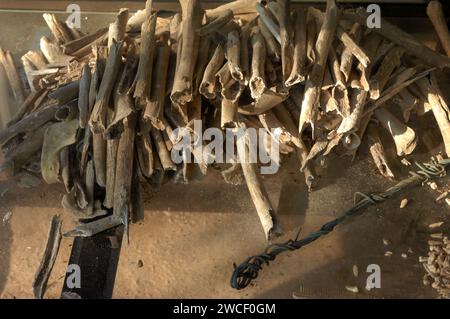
[[246, 272]]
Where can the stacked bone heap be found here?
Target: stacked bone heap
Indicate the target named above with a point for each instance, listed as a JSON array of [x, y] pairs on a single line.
[[98, 111]]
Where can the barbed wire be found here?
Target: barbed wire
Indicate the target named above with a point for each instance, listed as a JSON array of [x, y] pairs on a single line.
[[246, 272]]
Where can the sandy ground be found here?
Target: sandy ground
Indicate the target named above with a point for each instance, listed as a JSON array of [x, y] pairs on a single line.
[[188, 245], [192, 234]]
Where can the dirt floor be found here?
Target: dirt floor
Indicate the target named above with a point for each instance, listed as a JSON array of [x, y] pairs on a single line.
[[188, 246], [192, 235]]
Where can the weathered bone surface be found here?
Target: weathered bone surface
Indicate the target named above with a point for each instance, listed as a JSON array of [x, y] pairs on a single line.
[[437, 18], [97, 120], [400, 37], [228, 114], [233, 53], [439, 107], [12, 74], [257, 79], [257, 191], [155, 105], [377, 151], [286, 38], [191, 22], [105, 110], [313, 83], [59, 29], [298, 73], [48, 259], [143, 79], [57, 136], [209, 83], [404, 137]]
